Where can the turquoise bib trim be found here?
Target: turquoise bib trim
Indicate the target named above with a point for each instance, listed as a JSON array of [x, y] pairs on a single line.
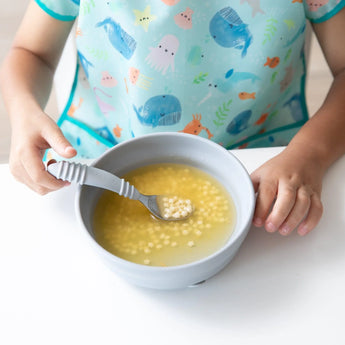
[[330, 14], [283, 128], [66, 117], [256, 137], [53, 14]]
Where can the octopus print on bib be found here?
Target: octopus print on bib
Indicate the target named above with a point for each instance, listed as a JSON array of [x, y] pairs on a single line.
[[230, 71], [163, 56]]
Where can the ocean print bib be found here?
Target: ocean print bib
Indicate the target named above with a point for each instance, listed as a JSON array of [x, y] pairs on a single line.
[[232, 71]]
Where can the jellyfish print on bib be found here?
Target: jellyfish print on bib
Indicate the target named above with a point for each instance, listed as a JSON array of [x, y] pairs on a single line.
[[108, 80], [163, 56], [171, 2], [139, 79], [184, 19], [314, 5]]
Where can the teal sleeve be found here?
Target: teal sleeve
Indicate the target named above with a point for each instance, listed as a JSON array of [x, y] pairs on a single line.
[[65, 10], [318, 11]]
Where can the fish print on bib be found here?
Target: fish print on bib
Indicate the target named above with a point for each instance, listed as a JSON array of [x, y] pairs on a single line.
[[230, 71]]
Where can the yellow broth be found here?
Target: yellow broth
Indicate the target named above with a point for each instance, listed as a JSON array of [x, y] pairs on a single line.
[[126, 228]]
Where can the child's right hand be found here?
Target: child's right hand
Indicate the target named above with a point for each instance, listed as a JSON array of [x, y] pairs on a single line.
[[31, 136]]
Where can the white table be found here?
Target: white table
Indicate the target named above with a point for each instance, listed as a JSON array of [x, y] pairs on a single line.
[[277, 290]]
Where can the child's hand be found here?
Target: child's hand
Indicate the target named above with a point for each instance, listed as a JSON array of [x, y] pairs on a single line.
[[289, 189], [30, 138]]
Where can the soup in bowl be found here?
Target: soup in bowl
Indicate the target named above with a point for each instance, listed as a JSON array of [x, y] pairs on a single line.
[[169, 254]]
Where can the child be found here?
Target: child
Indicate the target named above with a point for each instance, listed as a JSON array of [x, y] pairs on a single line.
[[232, 71]]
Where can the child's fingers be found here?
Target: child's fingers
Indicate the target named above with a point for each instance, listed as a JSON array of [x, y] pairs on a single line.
[[40, 180], [255, 182], [286, 199], [299, 211], [19, 172], [21, 175], [57, 141], [313, 217], [265, 198]]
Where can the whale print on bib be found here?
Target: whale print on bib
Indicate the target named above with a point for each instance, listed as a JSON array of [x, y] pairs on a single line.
[[163, 110], [229, 71], [228, 30], [119, 39]]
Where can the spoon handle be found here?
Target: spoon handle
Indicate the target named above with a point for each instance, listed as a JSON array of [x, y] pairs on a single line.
[[84, 174]]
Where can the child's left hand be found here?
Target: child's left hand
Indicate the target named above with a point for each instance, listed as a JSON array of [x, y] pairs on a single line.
[[288, 193]]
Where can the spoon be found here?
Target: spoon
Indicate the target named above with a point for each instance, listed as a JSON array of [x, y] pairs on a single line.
[[162, 207]]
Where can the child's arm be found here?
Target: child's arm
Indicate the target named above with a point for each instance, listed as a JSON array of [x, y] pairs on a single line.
[[291, 182], [26, 80]]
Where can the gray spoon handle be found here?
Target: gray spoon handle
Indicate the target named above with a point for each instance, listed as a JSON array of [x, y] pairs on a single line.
[[84, 174]]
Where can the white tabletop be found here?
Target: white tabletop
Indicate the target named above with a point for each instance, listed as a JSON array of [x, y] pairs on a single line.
[[277, 290]]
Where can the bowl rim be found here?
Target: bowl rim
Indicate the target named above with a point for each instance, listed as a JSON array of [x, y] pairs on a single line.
[[130, 264]]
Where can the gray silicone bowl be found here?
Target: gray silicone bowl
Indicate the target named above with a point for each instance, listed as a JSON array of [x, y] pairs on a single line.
[[174, 148]]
